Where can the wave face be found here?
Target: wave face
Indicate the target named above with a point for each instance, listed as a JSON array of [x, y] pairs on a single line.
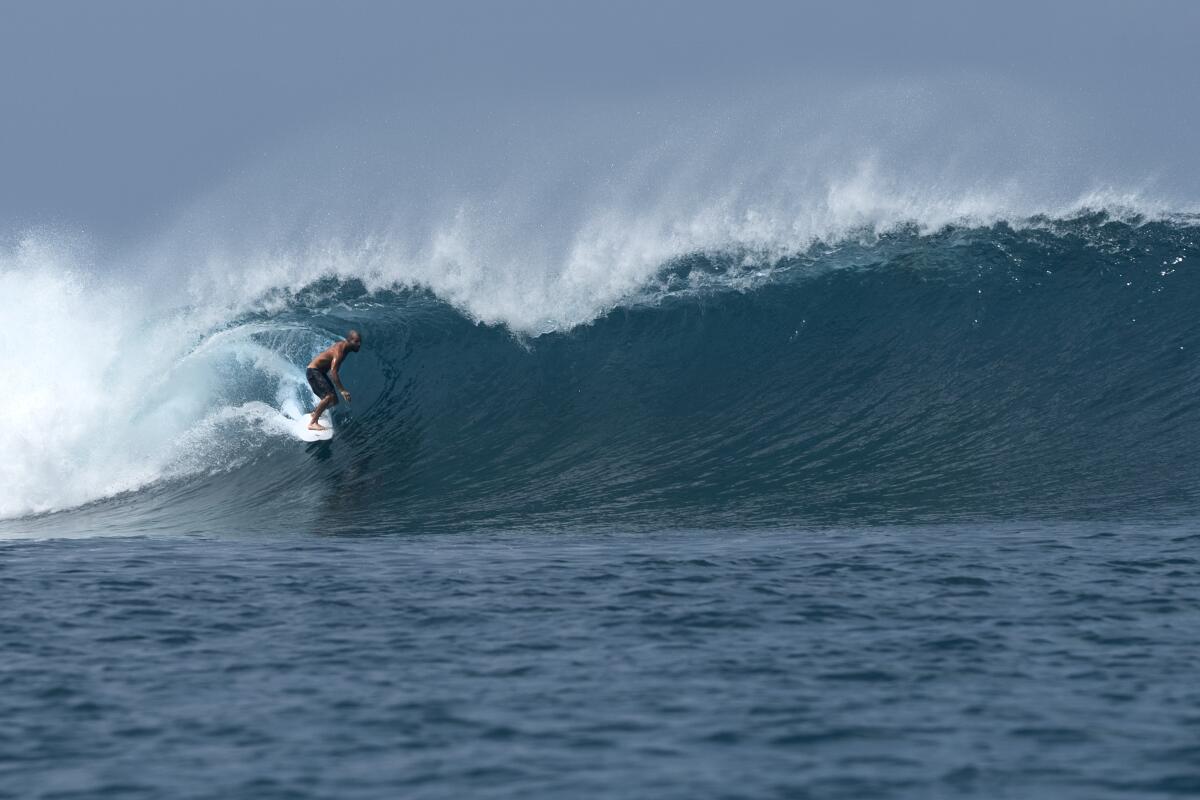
[[1005, 371]]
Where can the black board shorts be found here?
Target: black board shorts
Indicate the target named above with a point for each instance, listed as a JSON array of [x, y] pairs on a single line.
[[321, 385]]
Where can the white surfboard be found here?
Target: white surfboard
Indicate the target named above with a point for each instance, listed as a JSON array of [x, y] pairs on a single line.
[[301, 429], [290, 421]]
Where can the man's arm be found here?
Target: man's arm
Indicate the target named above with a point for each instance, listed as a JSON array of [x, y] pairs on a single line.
[[333, 373]]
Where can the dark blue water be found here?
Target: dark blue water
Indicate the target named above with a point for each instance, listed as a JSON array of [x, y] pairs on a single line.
[[1022, 661], [912, 515]]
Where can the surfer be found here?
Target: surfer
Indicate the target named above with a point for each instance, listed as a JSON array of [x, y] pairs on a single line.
[[322, 369]]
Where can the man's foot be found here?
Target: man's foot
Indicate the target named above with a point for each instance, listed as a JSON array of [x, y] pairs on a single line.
[[316, 426]]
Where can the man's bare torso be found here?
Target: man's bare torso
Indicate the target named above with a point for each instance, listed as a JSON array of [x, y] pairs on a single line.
[[324, 360]]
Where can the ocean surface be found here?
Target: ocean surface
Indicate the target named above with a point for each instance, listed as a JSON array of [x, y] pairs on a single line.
[[907, 511]]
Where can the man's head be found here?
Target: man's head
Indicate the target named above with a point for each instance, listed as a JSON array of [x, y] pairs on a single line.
[[355, 340]]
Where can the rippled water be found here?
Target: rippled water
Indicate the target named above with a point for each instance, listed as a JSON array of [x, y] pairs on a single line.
[[1051, 660]]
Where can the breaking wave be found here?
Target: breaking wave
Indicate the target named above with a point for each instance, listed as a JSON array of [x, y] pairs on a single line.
[[1043, 365]]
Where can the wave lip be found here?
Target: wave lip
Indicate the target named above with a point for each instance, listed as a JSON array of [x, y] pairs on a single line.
[[500, 272]]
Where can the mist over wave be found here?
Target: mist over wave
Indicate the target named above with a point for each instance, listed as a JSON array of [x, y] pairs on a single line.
[[540, 217]]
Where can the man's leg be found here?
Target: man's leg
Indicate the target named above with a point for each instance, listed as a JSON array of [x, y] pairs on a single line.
[[327, 401]]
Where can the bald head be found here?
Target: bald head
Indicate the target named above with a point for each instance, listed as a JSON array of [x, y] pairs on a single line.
[[355, 340]]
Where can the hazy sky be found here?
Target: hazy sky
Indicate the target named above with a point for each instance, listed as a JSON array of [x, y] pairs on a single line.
[[115, 113]]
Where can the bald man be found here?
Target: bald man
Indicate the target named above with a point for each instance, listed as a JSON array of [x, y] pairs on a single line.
[[325, 367]]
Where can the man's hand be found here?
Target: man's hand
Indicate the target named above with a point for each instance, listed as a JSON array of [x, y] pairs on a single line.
[[346, 395]]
